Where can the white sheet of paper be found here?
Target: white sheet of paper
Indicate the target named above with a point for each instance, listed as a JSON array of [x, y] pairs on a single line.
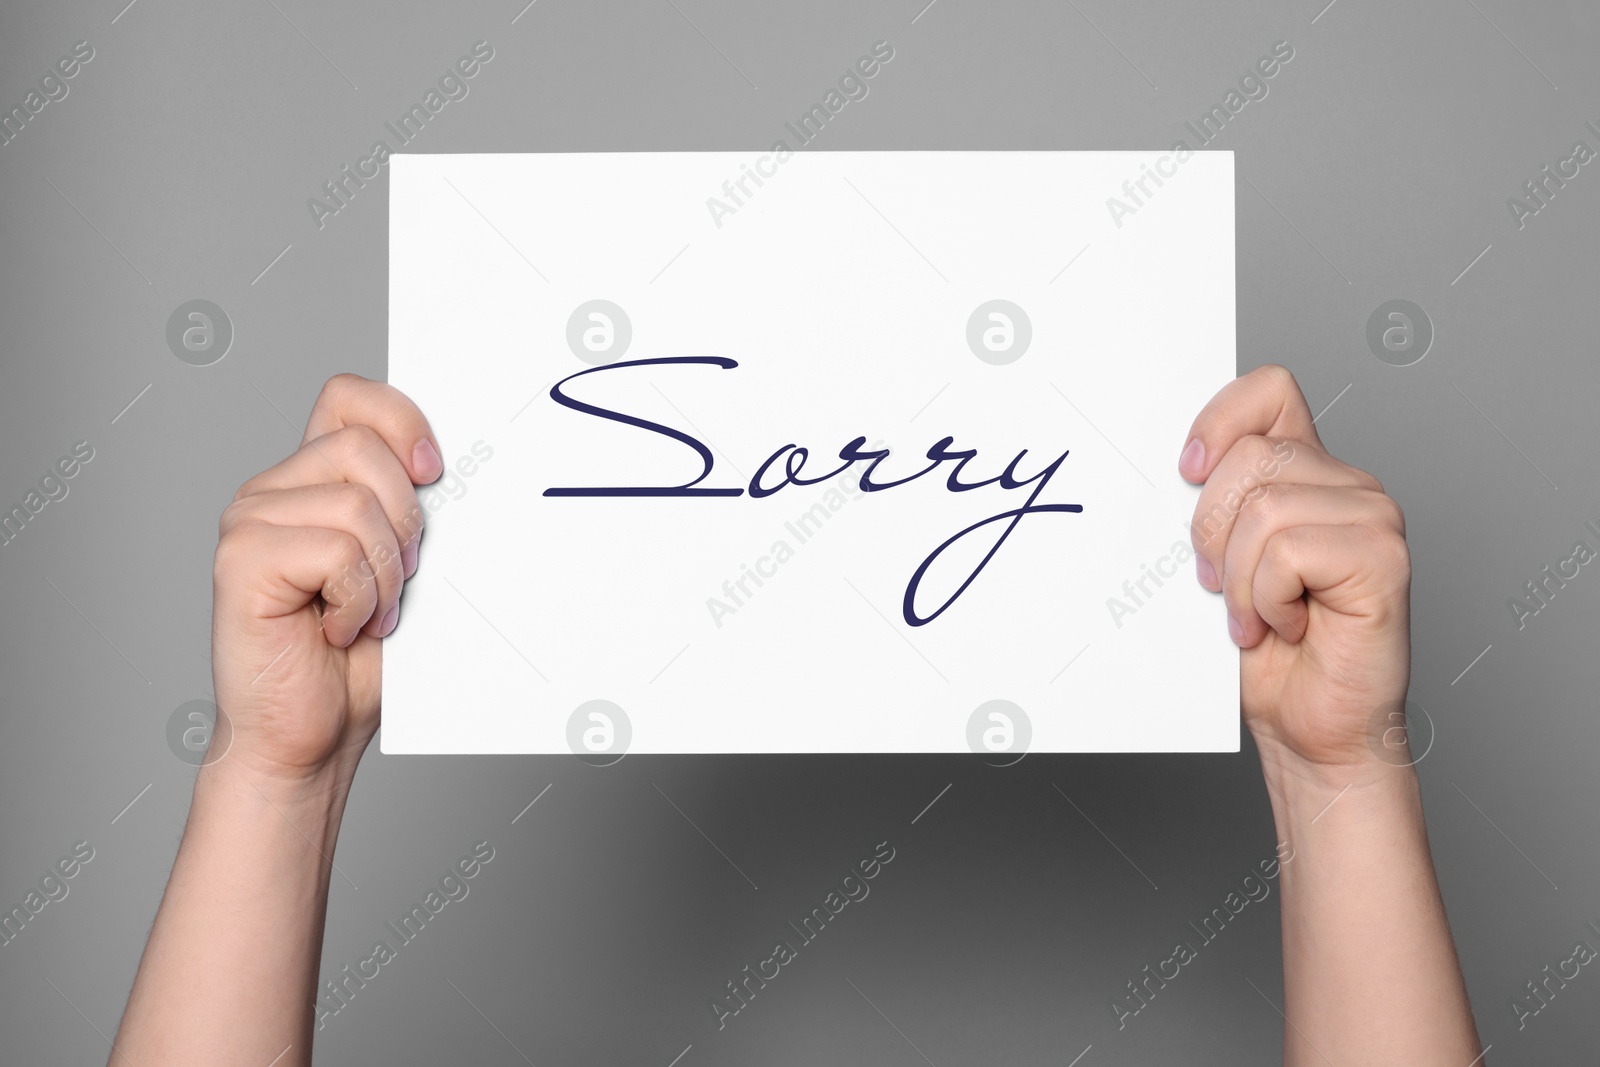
[[853, 292]]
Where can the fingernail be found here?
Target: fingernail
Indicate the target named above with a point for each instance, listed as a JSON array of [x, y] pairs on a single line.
[[1206, 573], [426, 459], [408, 558], [386, 627], [1235, 630], [1193, 460]]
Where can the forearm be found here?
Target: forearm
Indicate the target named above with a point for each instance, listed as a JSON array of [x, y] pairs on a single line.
[[1370, 971], [229, 974]]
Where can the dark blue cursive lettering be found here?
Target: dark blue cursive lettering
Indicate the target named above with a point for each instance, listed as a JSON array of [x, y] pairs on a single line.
[[688, 488], [793, 459]]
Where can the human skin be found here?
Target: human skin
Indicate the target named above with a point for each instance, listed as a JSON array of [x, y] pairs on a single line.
[[1312, 561], [310, 561], [229, 973]]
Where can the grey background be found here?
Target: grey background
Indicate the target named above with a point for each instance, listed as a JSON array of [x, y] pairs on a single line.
[[1377, 168]]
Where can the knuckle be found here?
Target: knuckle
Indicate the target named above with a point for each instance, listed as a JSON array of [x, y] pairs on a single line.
[[1240, 595], [357, 503], [1278, 377], [1365, 479], [1251, 464], [356, 441], [1281, 549], [1263, 506], [1392, 552], [400, 416], [1390, 574], [235, 547], [386, 398], [1209, 523], [351, 553], [1257, 448], [222, 559], [248, 488], [384, 559], [348, 579], [231, 516], [340, 385], [1393, 514], [388, 560], [411, 522]]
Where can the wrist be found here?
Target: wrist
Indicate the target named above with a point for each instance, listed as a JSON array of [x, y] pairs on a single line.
[[1302, 790], [248, 758], [310, 800]]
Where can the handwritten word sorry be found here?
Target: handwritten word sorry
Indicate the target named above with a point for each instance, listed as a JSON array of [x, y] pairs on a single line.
[[790, 463]]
